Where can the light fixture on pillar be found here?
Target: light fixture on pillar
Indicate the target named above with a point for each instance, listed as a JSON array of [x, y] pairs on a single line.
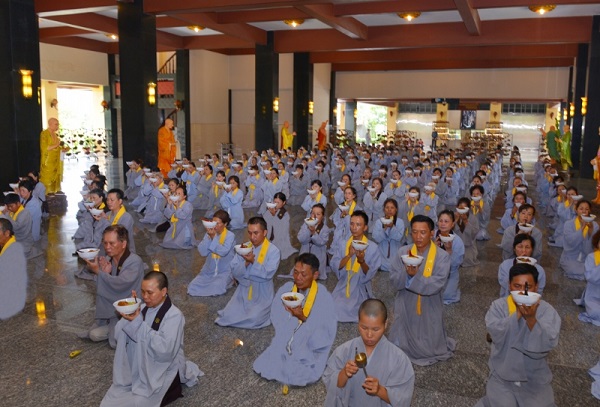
[[565, 114], [543, 9], [195, 28], [572, 109], [583, 105], [410, 15], [294, 23], [335, 111], [151, 93], [113, 37], [355, 113], [276, 105], [26, 81], [311, 107]]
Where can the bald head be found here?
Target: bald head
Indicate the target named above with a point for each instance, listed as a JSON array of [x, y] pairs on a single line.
[[373, 308]]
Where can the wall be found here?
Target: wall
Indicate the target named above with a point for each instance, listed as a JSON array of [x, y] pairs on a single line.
[[490, 84], [73, 65], [241, 82]]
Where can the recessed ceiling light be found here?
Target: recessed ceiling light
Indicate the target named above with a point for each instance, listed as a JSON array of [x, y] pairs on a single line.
[[543, 9], [112, 36], [195, 28], [409, 16], [294, 23]]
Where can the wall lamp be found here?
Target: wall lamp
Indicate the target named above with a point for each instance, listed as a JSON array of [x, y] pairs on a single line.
[[583, 105], [151, 93], [276, 105], [26, 81], [311, 107]]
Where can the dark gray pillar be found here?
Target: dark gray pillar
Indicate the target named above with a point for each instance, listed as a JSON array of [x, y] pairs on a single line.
[[266, 82], [21, 118], [580, 80], [591, 138], [182, 93], [303, 93], [110, 114], [137, 66]]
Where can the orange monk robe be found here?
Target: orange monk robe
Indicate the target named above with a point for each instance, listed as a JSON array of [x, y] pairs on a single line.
[[166, 149]]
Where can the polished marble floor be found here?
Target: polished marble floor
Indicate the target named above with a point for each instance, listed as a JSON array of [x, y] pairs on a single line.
[[37, 370]]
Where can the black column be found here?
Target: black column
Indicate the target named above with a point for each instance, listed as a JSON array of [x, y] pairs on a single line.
[[591, 137], [182, 93], [332, 105], [137, 65], [110, 114], [266, 82], [303, 92], [580, 80], [21, 118]]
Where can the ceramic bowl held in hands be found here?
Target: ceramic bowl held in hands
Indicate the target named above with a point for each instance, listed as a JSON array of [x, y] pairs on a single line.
[[209, 224], [526, 260], [412, 260], [577, 197], [588, 219], [127, 305], [88, 181], [311, 221], [359, 245], [174, 198], [525, 227], [271, 205], [371, 189], [292, 300], [243, 249], [522, 299], [163, 190], [152, 179], [96, 212], [386, 221], [462, 211], [88, 204], [227, 187], [447, 239], [88, 254], [2, 208], [84, 193], [344, 207], [13, 186], [311, 191], [129, 163], [341, 183], [220, 183]]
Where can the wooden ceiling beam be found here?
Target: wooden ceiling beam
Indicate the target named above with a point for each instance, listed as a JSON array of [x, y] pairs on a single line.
[[392, 6], [494, 32], [521, 3], [80, 43], [455, 64], [192, 6], [45, 8], [53, 32], [469, 15], [348, 26], [242, 31], [431, 54], [168, 40], [215, 42], [259, 16]]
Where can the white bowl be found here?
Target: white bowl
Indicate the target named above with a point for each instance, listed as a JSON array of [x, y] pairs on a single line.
[[428, 188], [413, 194], [448, 178], [435, 177], [88, 204], [271, 205], [340, 183], [344, 207], [152, 179], [527, 260], [8, 193], [164, 190], [209, 224], [311, 221], [129, 163], [364, 181], [462, 211], [588, 219], [89, 181], [220, 183], [285, 297], [522, 299], [251, 172], [227, 187], [242, 251], [13, 186], [386, 221], [2, 208], [577, 197], [267, 172], [371, 189], [200, 169], [186, 166], [447, 239], [521, 189], [359, 245], [178, 162], [88, 254], [295, 172], [412, 261], [311, 191], [527, 227], [147, 170], [174, 198], [134, 304], [173, 165], [84, 193], [96, 212]]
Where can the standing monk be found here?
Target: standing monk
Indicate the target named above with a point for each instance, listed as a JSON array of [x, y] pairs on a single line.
[[50, 157], [551, 143], [287, 136], [564, 144], [166, 147], [322, 136]]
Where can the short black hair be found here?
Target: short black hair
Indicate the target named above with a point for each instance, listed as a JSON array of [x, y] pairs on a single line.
[[310, 260], [6, 225], [422, 219], [116, 191], [520, 269], [361, 214], [478, 187], [258, 220], [160, 277], [12, 198], [281, 196]]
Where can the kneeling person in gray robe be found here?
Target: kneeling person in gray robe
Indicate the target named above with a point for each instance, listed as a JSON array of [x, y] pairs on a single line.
[[13, 272]]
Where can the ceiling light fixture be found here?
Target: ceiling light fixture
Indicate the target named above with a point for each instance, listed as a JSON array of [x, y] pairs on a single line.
[[294, 23], [409, 16], [541, 10], [195, 28], [112, 36]]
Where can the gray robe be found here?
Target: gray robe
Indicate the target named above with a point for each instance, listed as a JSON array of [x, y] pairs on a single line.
[[13, 274], [509, 237], [519, 373], [422, 337], [22, 227], [387, 363]]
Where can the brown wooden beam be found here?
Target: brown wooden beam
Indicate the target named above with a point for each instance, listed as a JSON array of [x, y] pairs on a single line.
[[469, 15], [494, 32], [79, 43], [52, 32], [64, 7], [432, 54], [455, 64], [236, 51], [257, 16], [346, 25], [521, 3], [169, 40], [392, 6], [168, 22], [192, 6], [242, 31]]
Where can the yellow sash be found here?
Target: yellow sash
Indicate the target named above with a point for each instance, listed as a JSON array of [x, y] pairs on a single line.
[[216, 190], [352, 206], [15, 215], [514, 191], [397, 184], [282, 173], [221, 242], [318, 199], [118, 215], [351, 269], [578, 227], [260, 260], [310, 299], [235, 191], [429, 263], [275, 181], [207, 178], [102, 205], [567, 203], [174, 220], [476, 208], [559, 198], [343, 168], [8, 243], [512, 307], [597, 257]]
